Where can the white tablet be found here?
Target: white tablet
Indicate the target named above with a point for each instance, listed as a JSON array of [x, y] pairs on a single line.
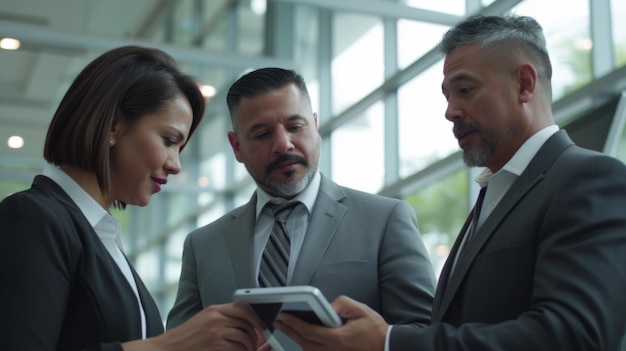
[[306, 302]]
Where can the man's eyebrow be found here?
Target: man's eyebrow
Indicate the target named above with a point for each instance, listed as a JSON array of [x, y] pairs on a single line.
[[256, 126], [456, 79], [461, 77], [296, 116]]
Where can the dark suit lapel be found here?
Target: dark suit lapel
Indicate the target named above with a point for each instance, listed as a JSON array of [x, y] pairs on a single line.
[[240, 242], [154, 324], [325, 218], [533, 174], [444, 277]]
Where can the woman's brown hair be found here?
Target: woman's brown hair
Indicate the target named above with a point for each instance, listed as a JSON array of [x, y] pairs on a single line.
[[127, 82]]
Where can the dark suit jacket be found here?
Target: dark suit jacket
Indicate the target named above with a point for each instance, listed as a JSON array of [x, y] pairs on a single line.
[[358, 244], [546, 270], [61, 290]]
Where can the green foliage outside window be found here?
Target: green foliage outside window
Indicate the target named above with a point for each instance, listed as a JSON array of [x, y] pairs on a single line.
[[8, 187], [442, 207]]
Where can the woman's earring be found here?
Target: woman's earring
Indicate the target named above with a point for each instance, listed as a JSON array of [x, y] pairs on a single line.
[[111, 142]]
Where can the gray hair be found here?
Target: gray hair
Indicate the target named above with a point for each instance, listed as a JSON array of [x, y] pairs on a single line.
[[507, 30]]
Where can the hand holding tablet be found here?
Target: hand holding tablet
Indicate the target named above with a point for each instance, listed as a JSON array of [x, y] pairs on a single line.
[[306, 302]]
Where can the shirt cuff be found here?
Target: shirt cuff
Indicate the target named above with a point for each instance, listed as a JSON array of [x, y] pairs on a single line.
[[387, 338]]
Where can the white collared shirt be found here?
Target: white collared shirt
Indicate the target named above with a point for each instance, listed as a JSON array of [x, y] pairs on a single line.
[[106, 226], [501, 181], [297, 223]]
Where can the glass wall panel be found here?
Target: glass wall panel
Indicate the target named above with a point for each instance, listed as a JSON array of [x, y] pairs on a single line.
[[425, 135], [618, 14], [307, 50], [441, 210], [251, 28], [213, 171], [357, 66], [566, 27], [358, 151], [415, 39]]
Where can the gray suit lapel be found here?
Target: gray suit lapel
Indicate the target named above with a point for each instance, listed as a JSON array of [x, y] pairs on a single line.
[[533, 174], [240, 242], [327, 214]]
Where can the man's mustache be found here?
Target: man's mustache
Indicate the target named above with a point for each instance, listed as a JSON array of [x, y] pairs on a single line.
[[285, 158], [465, 126]]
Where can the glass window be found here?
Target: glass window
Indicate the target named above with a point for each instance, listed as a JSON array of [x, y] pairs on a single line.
[[425, 134], [251, 30], [306, 51], [618, 13], [357, 67], [358, 151], [148, 265], [415, 39], [441, 210], [566, 28]]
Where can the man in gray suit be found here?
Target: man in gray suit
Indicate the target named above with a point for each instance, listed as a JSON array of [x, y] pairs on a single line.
[[543, 265], [342, 241]]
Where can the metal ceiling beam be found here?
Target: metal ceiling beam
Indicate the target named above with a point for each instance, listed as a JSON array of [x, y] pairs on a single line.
[[381, 8], [51, 37]]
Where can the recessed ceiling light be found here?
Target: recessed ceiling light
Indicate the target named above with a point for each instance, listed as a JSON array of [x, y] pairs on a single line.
[[15, 142], [208, 91], [9, 44]]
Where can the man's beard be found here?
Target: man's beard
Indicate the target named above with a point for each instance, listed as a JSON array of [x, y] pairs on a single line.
[[477, 158], [293, 186], [480, 157]]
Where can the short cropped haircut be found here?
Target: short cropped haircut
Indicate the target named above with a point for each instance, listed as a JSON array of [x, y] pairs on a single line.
[[129, 82], [507, 30], [259, 82]]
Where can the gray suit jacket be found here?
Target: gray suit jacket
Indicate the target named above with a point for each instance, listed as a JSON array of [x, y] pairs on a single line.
[[546, 270], [360, 245]]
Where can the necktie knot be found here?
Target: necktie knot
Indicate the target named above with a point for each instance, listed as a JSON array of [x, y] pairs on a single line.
[[283, 210]]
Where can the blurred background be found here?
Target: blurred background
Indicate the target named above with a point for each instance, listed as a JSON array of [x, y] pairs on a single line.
[[373, 74]]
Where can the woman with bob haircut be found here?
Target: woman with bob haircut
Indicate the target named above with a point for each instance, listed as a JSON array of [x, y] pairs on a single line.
[[113, 141]]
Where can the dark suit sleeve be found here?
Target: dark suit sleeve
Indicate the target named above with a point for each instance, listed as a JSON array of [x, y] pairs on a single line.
[[188, 301], [577, 300], [406, 276]]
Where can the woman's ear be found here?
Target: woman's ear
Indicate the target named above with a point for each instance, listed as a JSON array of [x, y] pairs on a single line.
[[117, 128], [527, 81]]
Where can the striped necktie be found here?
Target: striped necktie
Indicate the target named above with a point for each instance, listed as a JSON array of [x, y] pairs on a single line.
[[275, 260]]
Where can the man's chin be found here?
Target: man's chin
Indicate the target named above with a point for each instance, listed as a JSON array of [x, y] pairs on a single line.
[[474, 158], [287, 186]]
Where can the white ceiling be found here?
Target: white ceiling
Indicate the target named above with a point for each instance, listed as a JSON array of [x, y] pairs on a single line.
[[33, 79], [60, 37]]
